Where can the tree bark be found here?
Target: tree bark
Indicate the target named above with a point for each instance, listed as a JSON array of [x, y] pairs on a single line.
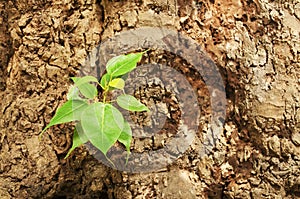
[[255, 44]]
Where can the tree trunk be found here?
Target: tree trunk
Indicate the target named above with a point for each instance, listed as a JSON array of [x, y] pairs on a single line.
[[255, 44]]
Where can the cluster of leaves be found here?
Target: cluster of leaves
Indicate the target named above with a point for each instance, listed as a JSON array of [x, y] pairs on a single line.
[[100, 123]]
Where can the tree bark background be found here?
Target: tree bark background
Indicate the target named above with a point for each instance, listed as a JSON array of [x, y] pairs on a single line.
[[254, 43]]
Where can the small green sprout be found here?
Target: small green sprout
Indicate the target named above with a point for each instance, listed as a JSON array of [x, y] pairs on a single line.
[[100, 123]]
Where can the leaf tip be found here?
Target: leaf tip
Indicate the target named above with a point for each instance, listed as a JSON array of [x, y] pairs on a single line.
[[68, 154], [42, 133]]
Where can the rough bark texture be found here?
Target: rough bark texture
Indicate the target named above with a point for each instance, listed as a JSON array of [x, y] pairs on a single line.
[[255, 44]]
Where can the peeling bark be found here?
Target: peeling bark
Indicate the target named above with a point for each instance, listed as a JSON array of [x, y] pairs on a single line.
[[256, 46]]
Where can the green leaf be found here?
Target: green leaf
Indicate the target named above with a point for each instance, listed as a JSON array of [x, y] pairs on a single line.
[[83, 80], [118, 83], [123, 64], [88, 90], [73, 93], [78, 139], [130, 103], [102, 124], [69, 111], [83, 83], [126, 136], [105, 81]]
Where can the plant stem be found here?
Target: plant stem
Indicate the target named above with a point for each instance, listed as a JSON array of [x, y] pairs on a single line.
[[104, 95]]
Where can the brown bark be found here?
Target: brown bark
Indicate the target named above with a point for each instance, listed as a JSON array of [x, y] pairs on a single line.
[[256, 46]]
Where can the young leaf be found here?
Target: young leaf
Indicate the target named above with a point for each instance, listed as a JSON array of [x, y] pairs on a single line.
[[130, 103], [69, 111], [105, 81], [78, 139], [126, 136], [84, 86], [102, 124], [123, 64], [118, 83]]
